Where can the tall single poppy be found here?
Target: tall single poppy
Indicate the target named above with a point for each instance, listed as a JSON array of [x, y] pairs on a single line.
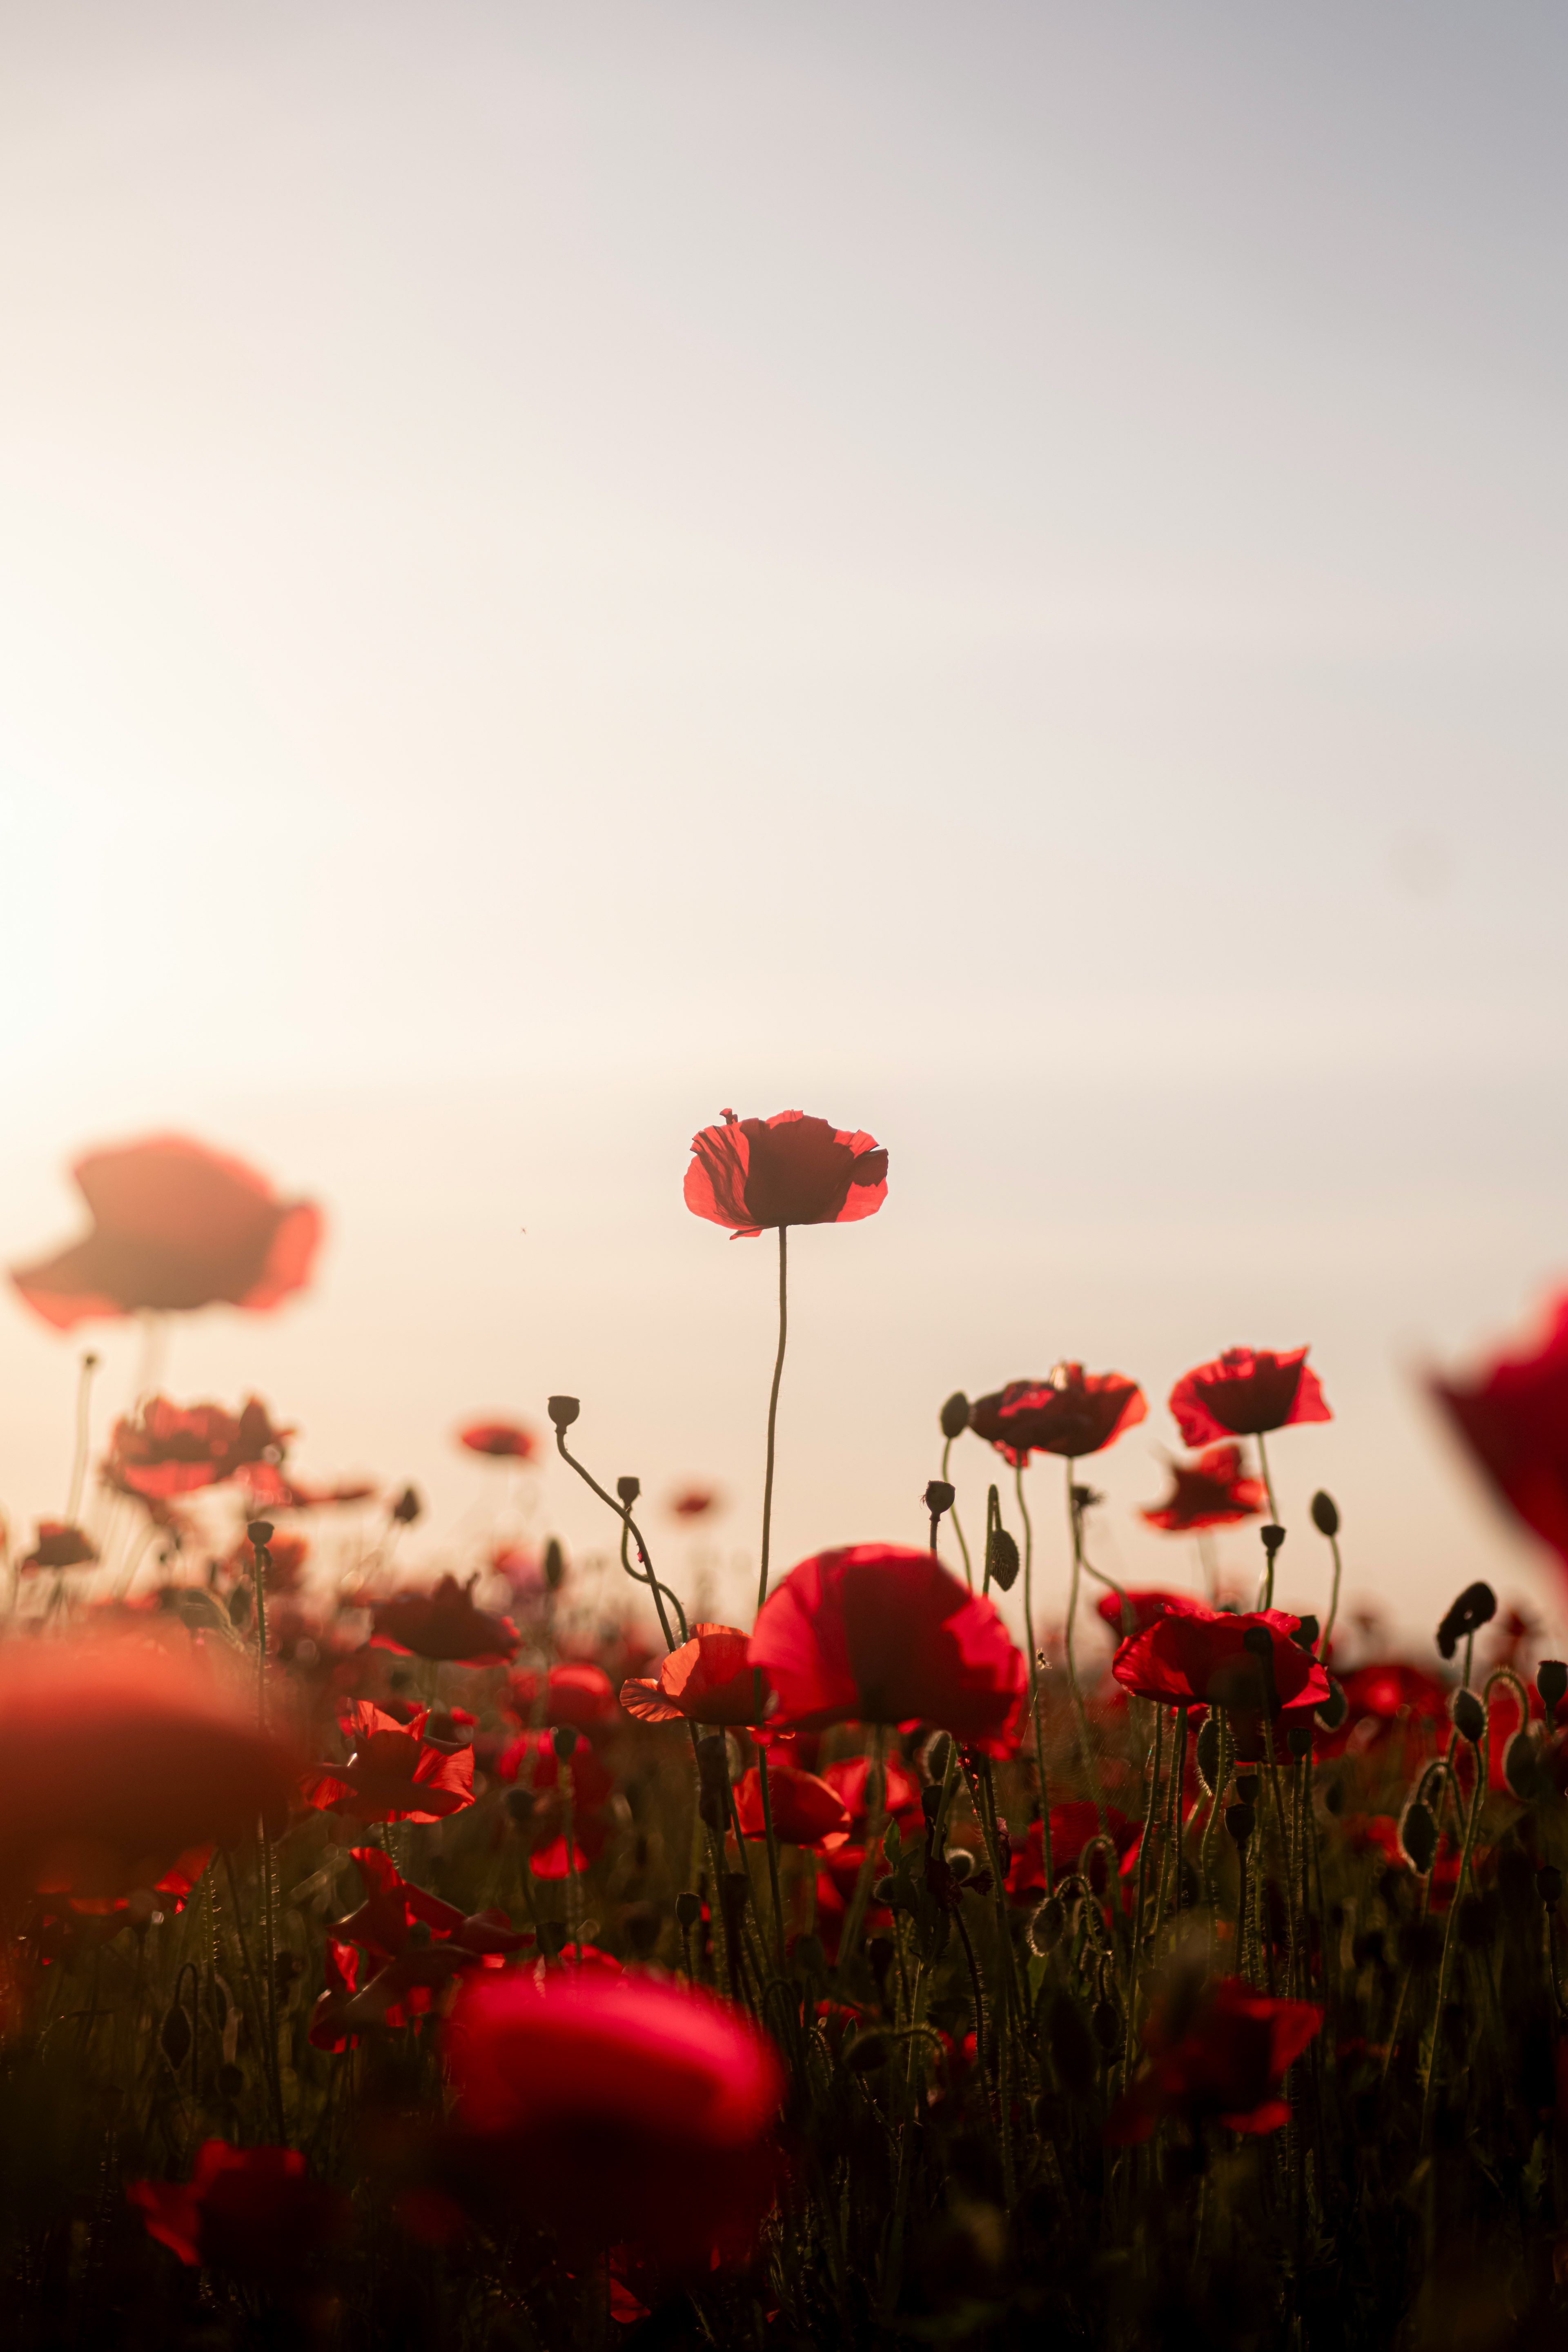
[[503, 1440], [706, 1680], [1246, 1392], [1212, 1492], [175, 1227], [393, 1773], [1225, 2065], [1071, 1412], [444, 1624], [806, 1809], [790, 1169], [1514, 1419], [881, 1633], [619, 2109]]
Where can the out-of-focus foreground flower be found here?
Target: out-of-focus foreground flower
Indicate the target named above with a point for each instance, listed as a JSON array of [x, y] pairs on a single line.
[[1513, 1418]]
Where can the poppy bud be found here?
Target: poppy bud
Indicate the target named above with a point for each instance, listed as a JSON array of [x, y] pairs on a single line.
[[1552, 1682], [1470, 1717], [1520, 1767], [1325, 1514], [1002, 1559], [955, 1415], [688, 1911], [1418, 1837], [261, 1533], [1273, 1539], [519, 1803], [1085, 1499], [629, 1489], [934, 1755], [1209, 1751], [551, 1936], [1335, 1707], [1299, 1740], [1475, 1607], [563, 1739], [939, 1498], [563, 1411], [959, 1863], [1246, 1787], [1047, 1927], [931, 1803], [1238, 1821], [1549, 1885], [407, 1508], [555, 1564]]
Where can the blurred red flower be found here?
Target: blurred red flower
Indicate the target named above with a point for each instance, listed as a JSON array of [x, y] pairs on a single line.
[[1072, 1412], [1225, 2065], [252, 2209], [1212, 1492], [577, 1693], [851, 1780], [620, 2109], [176, 1449], [1387, 1698], [445, 1624], [267, 1489], [531, 1761], [1148, 1603], [113, 1750], [1246, 1392], [392, 1774], [1198, 1656], [1072, 1826], [806, 1812], [706, 1680], [1513, 1417], [784, 1170], [693, 1502], [879, 1634], [175, 1226], [503, 1440], [286, 1557], [58, 1546]]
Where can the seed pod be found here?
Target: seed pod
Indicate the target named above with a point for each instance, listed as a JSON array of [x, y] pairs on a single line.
[[1299, 1740], [1002, 1559], [1549, 1885], [935, 1755], [1475, 1607], [1325, 1514], [1552, 1682], [261, 1533], [1209, 1751], [1273, 1539], [1418, 1837], [1470, 1717], [955, 1415], [939, 1498], [1047, 1927], [562, 1410], [687, 1910], [1238, 1821], [736, 1889], [563, 1739], [1246, 1787], [629, 1489]]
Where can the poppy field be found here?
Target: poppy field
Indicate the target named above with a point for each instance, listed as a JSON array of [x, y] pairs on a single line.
[[440, 1958]]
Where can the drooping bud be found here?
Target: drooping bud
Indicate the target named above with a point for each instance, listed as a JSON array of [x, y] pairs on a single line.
[[935, 1755], [1520, 1767], [1475, 1607], [1047, 1927], [629, 1489], [563, 1411], [261, 1533], [960, 1864], [1325, 1514], [1470, 1717], [955, 1415], [1552, 1682], [1002, 1559], [563, 1739], [1238, 1821], [1209, 1751], [1418, 1836], [555, 1564]]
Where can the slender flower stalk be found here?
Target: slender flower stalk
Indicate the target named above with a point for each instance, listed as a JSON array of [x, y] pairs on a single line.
[[83, 1436], [261, 1534], [1034, 1724], [1074, 1522]]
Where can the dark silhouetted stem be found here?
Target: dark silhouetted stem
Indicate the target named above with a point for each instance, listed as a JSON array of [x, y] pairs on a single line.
[[623, 1511], [773, 1414], [957, 1523], [1273, 1507], [1034, 1673], [1074, 1522], [83, 1432], [262, 1557]]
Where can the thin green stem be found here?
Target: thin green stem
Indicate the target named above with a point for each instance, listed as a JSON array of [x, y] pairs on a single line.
[[1273, 1505], [1034, 1672], [1074, 1521], [773, 1414], [957, 1523], [1333, 1600], [1472, 1822], [83, 1437]]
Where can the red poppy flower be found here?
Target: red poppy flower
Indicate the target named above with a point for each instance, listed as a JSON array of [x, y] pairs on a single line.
[[1382, 1699], [267, 1489], [1211, 1492], [531, 1761], [114, 1750], [1147, 1603], [393, 1773], [577, 1693], [1198, 1656], [706, 1680], [806, 1812], [1226, 2067], [851, 1780], [694, 1502], [445, 1624], [392, 1905], [784, 1170], [1072, 1412], [58, 1546], [503, 1440], [621, 2109], [1247, 1391], [1072, 1826], [175, 1226], [1513, 1417], [252, 2209], [177, 1449], [878, 1633]]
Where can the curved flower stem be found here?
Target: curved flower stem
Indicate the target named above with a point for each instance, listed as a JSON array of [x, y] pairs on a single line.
[[1273, 1507], [83, 1433], [1074, 1521], [623, 1511], [1034, 1672], [957, 1523], [773, 1414]]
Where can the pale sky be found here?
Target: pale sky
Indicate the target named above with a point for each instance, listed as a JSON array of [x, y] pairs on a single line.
[[993, 573]]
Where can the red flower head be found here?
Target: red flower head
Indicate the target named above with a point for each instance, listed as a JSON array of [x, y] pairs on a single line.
[[1211, 1492], [851, 1780], [618, 2107], [878, 1633], [60, 1546], [1247, 1392], [503, 1440], [177, 1449], [1072, 1826], [806, 1812], [1197, 1656], [392, 1774], [784, 1170], [113, 1750], [245, 2209], [1514, 1419], [707, 1680], [1073, 1413], [175, 1226], [576, 1692], [1226, 2067], [1147, 1605], [444, 1624], [694, 1502]]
